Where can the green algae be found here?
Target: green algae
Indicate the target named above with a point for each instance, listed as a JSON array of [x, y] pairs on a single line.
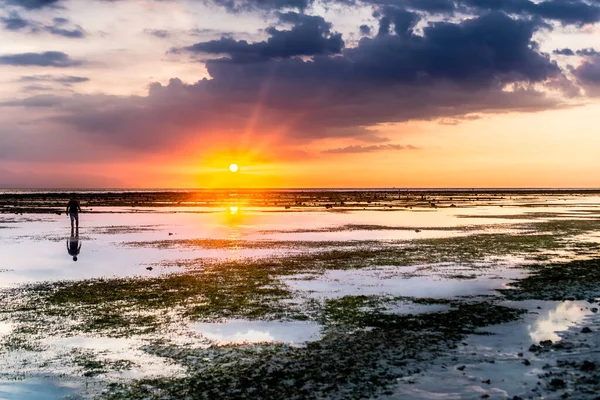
[[212, 290], [347, 362], [574, 280]]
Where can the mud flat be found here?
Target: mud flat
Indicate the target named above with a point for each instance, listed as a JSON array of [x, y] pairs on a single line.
[[494, 297]]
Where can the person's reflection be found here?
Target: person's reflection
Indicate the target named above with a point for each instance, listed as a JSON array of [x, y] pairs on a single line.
[[73, 244]]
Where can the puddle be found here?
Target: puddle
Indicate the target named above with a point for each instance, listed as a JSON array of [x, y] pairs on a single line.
[[557, 318], [238, 331], [38, 389], [394, 281]]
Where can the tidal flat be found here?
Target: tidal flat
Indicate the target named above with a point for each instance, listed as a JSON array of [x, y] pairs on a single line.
[[301, 294]]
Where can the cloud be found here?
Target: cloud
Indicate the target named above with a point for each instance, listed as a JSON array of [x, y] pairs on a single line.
[[32, 4], [36, 88], [45, 59], [368, 149], [159, 33], [59, 29], [564, 52], [365, 30], [487, 64], [399, 19], [583, 52], [588, 75], [588, 52], [568, 12], [252, 5], [14, 22], [66, 80], [309, 35]]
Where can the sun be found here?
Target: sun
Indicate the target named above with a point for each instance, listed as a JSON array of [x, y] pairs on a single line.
[[233, 167]]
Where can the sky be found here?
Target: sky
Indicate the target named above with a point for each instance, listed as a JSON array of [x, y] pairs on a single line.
[[299, 93]]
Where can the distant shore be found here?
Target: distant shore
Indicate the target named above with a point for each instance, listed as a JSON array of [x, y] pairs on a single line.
[[54, 201]]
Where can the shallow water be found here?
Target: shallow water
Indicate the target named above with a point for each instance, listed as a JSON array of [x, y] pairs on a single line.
[[237, 331], [396, 281], [34, 249], [499, 356], [38, 389]]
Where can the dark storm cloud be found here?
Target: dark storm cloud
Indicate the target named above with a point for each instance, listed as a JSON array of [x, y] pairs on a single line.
[[368, 149], [401, 20], [482, 65], [309, 35], [65, 80], [45, 59]]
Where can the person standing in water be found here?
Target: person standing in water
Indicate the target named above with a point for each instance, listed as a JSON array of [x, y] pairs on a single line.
[[73, 209]]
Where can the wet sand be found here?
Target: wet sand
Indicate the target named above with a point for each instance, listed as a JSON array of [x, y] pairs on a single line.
[[303, 294]]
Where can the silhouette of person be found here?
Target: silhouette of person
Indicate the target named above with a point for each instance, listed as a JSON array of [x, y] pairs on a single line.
[[73, 245], [73, 209]]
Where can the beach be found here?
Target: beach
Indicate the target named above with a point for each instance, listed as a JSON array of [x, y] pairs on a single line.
[[295, 294]]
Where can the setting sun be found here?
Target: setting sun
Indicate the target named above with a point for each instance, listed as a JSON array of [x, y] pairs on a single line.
[[233, 167]]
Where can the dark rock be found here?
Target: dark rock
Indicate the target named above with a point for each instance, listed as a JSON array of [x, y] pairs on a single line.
[[488, 381], [517, 398], [170, 233], [485, 396], [587, 366], [557, 382], [149, 268], [520, 354], [534, 347], [526, 363], [546, 343], [565, 395], [461, 368], [417, 230], [594, 309], [586, 330]]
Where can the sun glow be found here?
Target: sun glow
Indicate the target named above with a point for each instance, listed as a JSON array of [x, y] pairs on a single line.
[[233, 167]]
